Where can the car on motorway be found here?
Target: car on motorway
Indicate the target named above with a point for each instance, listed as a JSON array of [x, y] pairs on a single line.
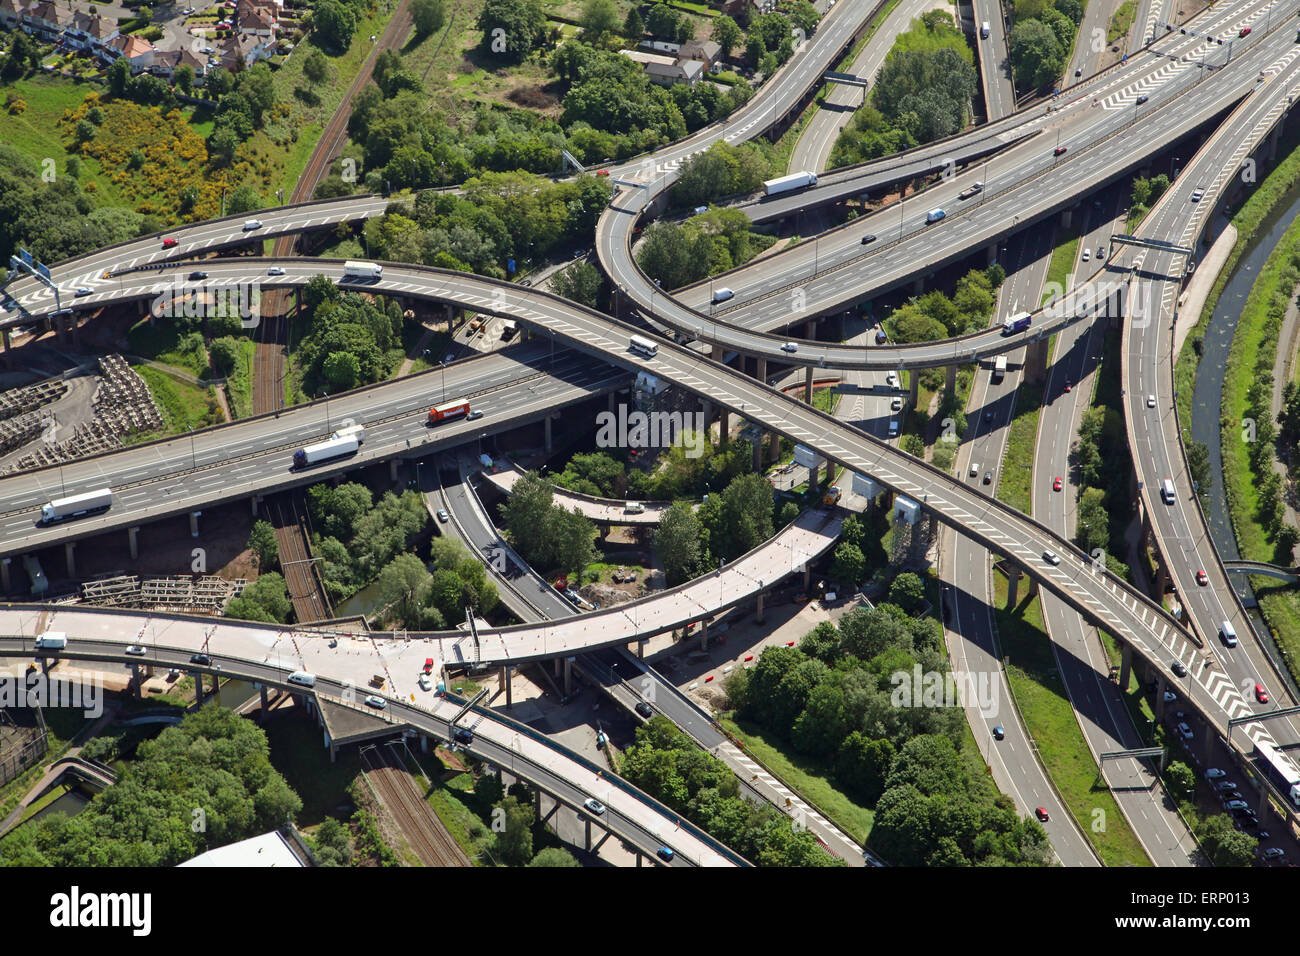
[[896, 404], [1087, 255], [83, 291], [1244, 31], [1151, 401], [1041, 813], [474, 413], [376, 702], [1223, 787], [252, 224], [1202, 578], [275, 271], [1237, 804], [789, 347], [881, 337], [1078, 72], [1178, 667], [1184, 731], [643, 709], [988, 477], [1197, 194], [579, 253], [1051, 557], [135, 650], [442, 515], [602, 172], [197, 274], [974, 469], [1060, 151], [1056, 484], [1261, 694], [1214, 773], [974, 189], [169, 243], [201, 659], [1068, 385], [891, 380], [1141, 99], [665, 853], [594, 805], [868, 238], [998, 732]]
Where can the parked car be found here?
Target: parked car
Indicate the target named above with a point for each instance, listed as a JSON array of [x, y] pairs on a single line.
[[1214, 773]]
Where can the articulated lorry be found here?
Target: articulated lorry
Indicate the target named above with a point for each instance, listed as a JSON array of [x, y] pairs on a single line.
[[785, 184], [326, 450], [1016, 323], [362, 270], [77, 506]]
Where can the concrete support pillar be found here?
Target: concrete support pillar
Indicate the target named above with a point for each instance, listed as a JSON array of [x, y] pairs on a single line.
[[706, 409], [913, 387], [704, 635], [760, 372], [501, 679], [1013, 584], [265, 697], [587, 834], [810, 331], [814, 475], [640, 650], [4, 574], [807, 578], [135, 680], [133, 541], [1162, 580], [510, 700], [75, 327], [717, 354], [950, 379], [392, 469], [808, 384], [70, 557], [568, 676], [1036, 360], [1160, 695], [724, 423], [758, 611], [918, 285], [194, 523], [198, 687], [1066, 216], [992, 253], [255, 501], [424, 743], [774, 446], [758, 454], [1126, 666], [555, 667], [547, 423]]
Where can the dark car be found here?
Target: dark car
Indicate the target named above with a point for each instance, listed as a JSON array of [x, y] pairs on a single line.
[[198, 275], [988, 477], [1060, 151], [881, 337], [1179, 668], [869, 237], [462, 736], [643, 709], [665, 853], [1142, 99], [998, 732], [202, 659]]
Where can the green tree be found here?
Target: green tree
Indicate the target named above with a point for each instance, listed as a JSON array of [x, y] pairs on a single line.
[[726, 33], [1198, 467], [184, 78], [908, 592], [553, 857], [342, 371], [849, 565], [633, 25], [514, 842], [680, 541], [1093, 522], [598, 18], [512, 29], [401, 584], [118, 76], [580, 281], [331, 844], [1224, 845], [1181, 780], [1035, 53], [261, 540], [316, 68], [334, 22], [429, 16]]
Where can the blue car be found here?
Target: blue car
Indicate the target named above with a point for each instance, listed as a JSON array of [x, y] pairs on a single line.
[[665, 853], [998, 732]]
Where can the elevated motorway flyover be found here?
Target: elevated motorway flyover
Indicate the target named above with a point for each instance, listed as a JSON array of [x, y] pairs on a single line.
[[266, 655], [1105, 133]]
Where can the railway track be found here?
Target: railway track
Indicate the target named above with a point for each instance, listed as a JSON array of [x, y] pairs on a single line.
[[397, 791], [305, 589], [273, 331]]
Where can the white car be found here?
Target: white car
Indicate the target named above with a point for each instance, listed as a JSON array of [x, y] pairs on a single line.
[[1051, 557], [376, 702], [426, 683], [275, 271], [1197, 194], [789, 347], [1151, 401], [891, 380], [896, 404], [1087, 254], [594, 805]]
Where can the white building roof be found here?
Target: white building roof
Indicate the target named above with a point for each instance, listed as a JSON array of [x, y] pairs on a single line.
[[269, 849]]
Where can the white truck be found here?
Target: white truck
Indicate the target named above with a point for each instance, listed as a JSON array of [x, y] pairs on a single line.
[[352, 269], [784, 184], [999, 368], [77, 506], [51, 641], [325, 451], [349, 429]]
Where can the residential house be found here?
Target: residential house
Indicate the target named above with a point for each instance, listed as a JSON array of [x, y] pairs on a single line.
[[165, 63], [11, 14], [90, 34], [256, 21], [47, 20], [138, 51], [706, 51], [681, 71]]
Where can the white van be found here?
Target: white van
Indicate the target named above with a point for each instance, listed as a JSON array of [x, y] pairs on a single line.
[[634, 508], [1227, 634], [934, 215], [1167, 491], [722, 295], [984, 30], [303, 679], [252, 224], [52, 641]]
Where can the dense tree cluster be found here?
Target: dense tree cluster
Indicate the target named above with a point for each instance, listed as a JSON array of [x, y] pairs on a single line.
[[715, 241], [244, 101], [934, 315], [547, 536], [836, 698], [724, 170], [671, 767], [348, 339], [334, 22], [499, 216], [434, 597], [1041, 39], [512, 29], [1102, 463], [214, 760], [356, 536], [266, 600]]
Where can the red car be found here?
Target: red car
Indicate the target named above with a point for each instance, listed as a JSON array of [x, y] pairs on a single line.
[[1041, 813], [1068, 385], [1243, 31], [1059, 151], [1202, 579], [1056, 484], [168, 243], [602, 172], [1261, 694], [428, 665]]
